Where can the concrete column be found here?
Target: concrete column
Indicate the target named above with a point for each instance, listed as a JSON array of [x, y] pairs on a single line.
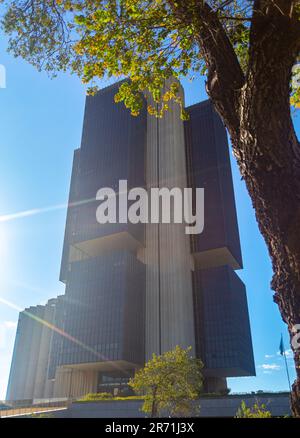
[[19, 364], [36, 315], [169, 297], [49, 387], [43, 358], [73, 383]]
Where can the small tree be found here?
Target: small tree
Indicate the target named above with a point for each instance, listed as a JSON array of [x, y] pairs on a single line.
[[170, 383], [256, 411]]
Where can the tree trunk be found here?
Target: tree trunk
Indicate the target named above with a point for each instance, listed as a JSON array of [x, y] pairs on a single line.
[[268, 155], [154, 412], [274, 189]]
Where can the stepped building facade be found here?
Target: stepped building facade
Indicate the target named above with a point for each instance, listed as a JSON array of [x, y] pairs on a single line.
[[137, 289]]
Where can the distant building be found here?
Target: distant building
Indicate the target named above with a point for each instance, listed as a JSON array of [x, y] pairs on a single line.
[[137, 289], [28, 377]]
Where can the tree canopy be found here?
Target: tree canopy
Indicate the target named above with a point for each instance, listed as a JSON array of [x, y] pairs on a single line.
[[170, 383], [256, 411], [145, 40]]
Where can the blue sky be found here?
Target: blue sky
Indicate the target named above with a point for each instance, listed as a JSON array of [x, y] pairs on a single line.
[[40, 126]]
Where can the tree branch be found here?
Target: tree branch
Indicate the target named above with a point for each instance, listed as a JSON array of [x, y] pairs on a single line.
[[274, 47], [225, 76]]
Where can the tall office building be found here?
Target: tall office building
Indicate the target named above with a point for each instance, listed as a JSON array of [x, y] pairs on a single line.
[[137, 289]]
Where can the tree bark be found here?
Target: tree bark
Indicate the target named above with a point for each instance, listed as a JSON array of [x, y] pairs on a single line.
[[269, 156], [154, 412], [255, 108]]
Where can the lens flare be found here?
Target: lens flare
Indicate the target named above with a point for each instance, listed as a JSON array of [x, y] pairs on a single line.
[[98, 356]]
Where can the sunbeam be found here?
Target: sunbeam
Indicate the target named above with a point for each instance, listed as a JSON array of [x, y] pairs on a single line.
[[36, 211], [61, 332]]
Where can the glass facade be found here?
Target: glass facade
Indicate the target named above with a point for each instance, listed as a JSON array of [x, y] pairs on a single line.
[[112, 149], [223, 337], [57, 338], [110, 381], [104, 303], [222, 326], [104, 310], [209, 167]]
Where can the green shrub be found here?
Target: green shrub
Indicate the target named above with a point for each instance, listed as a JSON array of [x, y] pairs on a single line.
[[129, 397], [97, 396], [106, 396], [42, 415], [256, 411]]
